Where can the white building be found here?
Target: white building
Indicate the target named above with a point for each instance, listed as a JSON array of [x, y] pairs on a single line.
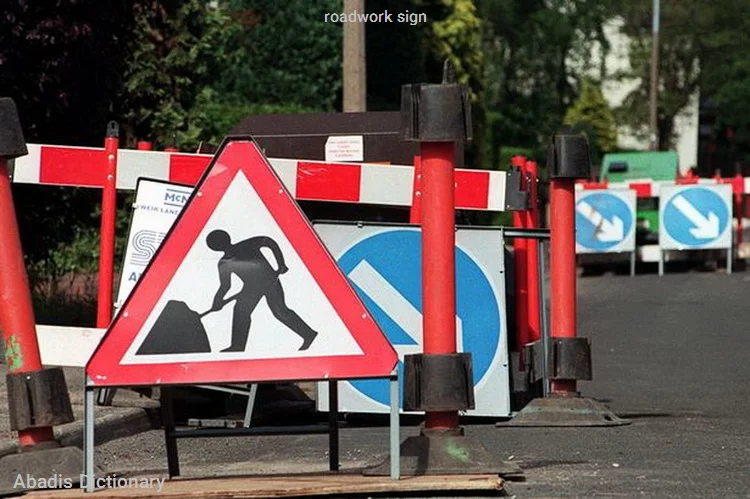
[[615, 91]]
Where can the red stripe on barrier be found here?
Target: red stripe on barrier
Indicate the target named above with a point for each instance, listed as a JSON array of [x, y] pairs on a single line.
[[187, 168], [328, 182], [642, 190], [472, 189], [69, 166]]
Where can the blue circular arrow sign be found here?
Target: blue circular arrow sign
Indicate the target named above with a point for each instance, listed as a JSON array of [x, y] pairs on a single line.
[[695, 216], [385, 270], [603, 220]]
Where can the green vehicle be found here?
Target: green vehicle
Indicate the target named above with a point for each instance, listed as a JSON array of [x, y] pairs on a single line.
[[630, 166]]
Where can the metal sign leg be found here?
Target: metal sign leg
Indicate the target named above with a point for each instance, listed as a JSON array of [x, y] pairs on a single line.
[[395, 429], [729, 260], [88, 437], [250, 405], [661, 262], [170, 441], [543, 311], [333, 425], [632, 263]]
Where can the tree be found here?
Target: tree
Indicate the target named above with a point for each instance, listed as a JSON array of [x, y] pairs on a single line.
[[173, 55], [682, 27], [535, 50], [591, 114], [283, 53]]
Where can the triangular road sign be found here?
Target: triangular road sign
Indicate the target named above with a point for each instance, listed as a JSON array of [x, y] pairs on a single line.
[[242, 289]]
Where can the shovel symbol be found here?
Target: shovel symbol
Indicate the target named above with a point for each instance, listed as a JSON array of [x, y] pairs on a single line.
[[178, 330]]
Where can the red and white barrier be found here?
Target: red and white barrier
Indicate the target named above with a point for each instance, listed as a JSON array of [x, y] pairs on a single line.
[[648, 188], [365, 183]]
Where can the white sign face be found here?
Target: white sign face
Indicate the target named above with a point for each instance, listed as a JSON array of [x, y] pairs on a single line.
[[345, 148], [382, 262], [157, 204], [695, 216], [605, 221]]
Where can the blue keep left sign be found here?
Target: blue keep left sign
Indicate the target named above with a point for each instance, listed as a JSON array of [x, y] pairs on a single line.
[[605, 221], [695, 216], [383, 265]]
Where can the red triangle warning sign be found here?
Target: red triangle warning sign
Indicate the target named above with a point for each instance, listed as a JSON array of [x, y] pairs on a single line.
[[242, 289]]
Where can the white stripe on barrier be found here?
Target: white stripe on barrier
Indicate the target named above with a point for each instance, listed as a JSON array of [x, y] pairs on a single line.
[[147, 164], [26, 168], [496, 195], [55, 344], [286, 169], [390, 185]]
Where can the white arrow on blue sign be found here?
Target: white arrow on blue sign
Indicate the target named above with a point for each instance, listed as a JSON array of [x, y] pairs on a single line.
[[695, 217], [383, 263], [605, 221]]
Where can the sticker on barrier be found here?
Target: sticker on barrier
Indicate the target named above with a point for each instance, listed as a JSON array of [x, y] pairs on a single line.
[[232, 298], [383, 263], [605, 221], [695, 217]]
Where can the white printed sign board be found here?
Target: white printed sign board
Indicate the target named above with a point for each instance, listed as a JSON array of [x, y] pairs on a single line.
[[345, 148], [157, 204]]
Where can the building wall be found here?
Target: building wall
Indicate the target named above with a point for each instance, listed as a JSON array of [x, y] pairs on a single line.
[[615, 91]]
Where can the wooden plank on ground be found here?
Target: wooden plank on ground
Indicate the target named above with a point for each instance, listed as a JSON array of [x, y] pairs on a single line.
[[318, 485]]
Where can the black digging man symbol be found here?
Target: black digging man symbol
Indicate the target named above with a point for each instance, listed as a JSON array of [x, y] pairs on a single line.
[[180, 330]]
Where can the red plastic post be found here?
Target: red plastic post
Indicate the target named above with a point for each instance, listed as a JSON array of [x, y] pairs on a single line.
[[520, 258], [415, 212], [563, 268], [438, 261], [532, 257], [171, 149], [107, 238], [16, 311], [144, 145]]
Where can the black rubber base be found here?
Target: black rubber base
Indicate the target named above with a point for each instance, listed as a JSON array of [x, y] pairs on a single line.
[[443, 453], [565, 411]]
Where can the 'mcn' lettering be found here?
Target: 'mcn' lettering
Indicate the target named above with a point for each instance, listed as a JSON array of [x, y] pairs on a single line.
[[171, 197]]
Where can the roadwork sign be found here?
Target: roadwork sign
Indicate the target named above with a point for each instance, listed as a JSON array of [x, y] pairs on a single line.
[[605, 221], [240, 290], [695, 217], [383, 263]]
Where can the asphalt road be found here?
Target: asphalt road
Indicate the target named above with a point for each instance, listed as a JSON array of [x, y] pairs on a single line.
[[670, 353]]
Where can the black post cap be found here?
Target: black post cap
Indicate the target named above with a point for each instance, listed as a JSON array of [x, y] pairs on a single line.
[[568, 155], [12, 143], [436, 112]]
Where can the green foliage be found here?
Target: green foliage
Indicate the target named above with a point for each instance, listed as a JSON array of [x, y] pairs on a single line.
[[456, 35], [172, 56], [533, 50], [591, 114], [282, 53]]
